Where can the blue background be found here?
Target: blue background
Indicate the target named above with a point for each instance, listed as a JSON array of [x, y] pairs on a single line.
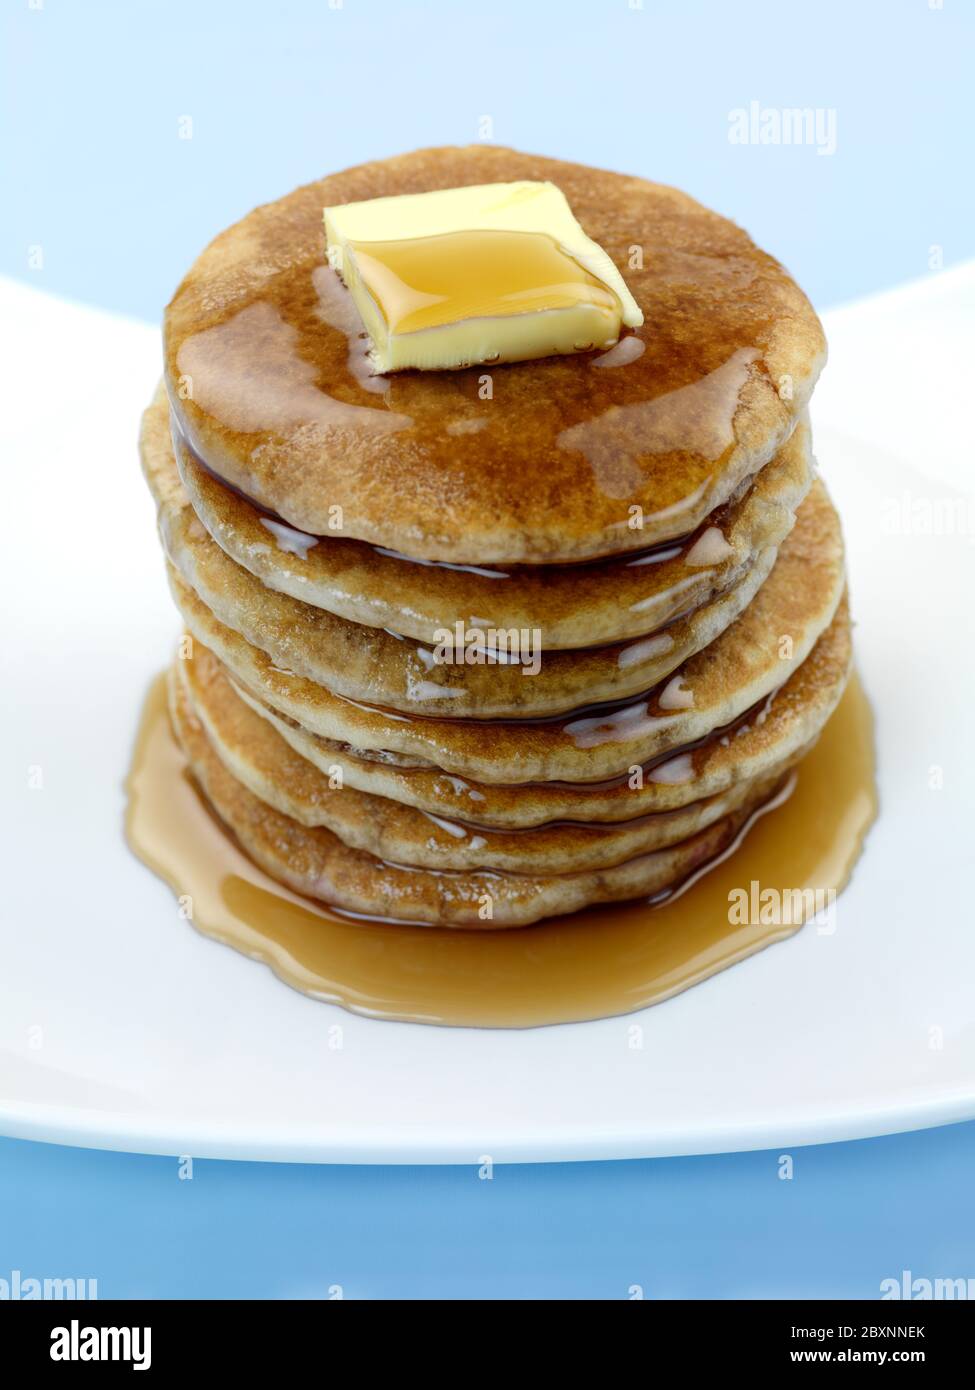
[[95, 172], [284, 91], [711, 1227]]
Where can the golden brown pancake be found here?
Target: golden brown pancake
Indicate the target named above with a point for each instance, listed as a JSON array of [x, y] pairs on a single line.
[[749, 659], [569, 605], [646, 517], [250, 748], [381, 668], [784, 725], [315, 862], [263, 361]]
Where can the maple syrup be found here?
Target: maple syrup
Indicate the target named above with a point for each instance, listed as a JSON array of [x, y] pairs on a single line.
[[430, 281], [601, 962]]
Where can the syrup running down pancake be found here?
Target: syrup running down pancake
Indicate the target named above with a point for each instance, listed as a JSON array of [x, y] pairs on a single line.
[[610, 601], [259, 757], [778, 728], [754, 655], [381, 667]]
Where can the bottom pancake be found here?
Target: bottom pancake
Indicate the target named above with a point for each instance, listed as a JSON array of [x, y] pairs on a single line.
[[315, 862]]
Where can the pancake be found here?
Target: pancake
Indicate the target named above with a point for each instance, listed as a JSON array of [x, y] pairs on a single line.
[[315, 862], [377, 668], [607, 601], [264, 366], [784, 725], [752, 657], [381, 668], [257, 756]]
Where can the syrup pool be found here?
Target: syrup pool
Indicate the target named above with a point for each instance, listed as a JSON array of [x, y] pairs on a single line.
[[601, 962]]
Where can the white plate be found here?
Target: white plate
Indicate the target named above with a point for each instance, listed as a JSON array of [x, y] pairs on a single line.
[[122, 1028]]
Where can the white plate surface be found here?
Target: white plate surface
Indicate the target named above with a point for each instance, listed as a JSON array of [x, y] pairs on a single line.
[[120, 1027]]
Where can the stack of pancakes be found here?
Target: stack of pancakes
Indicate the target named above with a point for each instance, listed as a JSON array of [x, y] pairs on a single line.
[[650, 517]]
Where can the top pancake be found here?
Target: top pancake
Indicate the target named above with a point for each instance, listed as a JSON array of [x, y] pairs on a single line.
[[264, 365]]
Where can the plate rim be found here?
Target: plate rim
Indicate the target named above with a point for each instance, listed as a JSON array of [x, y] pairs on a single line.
[[801, 1125]]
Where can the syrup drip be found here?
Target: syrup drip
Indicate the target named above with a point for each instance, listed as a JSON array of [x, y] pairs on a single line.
[[599, 963]]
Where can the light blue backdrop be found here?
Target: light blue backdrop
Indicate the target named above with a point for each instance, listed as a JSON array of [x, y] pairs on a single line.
[[97, 174], [96, 95]]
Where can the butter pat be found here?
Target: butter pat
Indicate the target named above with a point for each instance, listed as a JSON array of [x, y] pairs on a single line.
[[496, 272]]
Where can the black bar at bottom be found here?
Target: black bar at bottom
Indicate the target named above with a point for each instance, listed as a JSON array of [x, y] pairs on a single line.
[[173, 1337]]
